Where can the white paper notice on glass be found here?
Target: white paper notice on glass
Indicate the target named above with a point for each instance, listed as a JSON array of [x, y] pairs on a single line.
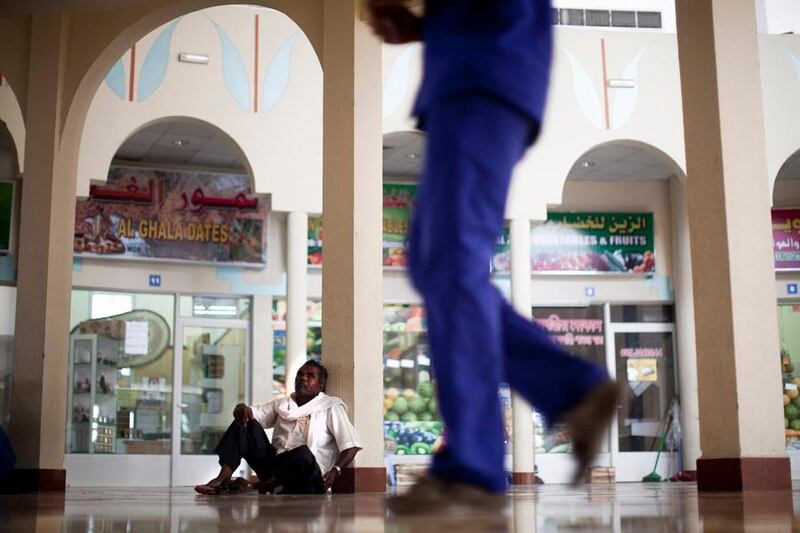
[[136, 333]]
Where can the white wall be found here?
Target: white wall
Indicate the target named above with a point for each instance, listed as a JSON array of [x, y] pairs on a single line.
[[11, 114], [778, 16], [282, 144]]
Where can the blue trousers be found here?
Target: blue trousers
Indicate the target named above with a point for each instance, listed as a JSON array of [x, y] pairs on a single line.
[[476, 338]]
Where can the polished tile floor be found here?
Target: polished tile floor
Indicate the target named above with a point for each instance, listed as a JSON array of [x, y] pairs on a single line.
[[631, 507]]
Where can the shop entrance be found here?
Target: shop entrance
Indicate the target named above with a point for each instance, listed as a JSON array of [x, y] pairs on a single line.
[[643, 361], [636, 344], [153, 382], [213, 365]]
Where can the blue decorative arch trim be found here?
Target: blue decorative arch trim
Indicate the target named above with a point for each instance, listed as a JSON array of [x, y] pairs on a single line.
[[795, 63], [236, 78], [155, 64], [116, 79], [277, 76]]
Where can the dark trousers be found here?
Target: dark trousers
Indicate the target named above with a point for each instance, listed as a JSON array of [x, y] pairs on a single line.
[[296, 470], [477, 339]]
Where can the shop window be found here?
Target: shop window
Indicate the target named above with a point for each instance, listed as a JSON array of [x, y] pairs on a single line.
[[410, 412], [789, 327], [6, 354], [580, 330], [653, 313], [645, 364], [215, 307], [213, 382], [120, 373], [313, 340], [104, 304]]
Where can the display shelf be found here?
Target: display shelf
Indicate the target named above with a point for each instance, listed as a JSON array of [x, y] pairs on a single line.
[[87, 433]]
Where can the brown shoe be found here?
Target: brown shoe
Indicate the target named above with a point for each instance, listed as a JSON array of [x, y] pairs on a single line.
[[587, 425], [431, 494]]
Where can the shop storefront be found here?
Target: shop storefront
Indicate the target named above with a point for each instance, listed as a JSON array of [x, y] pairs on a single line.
[[139, 408], [153, 376], [786, 249], [633, 340]]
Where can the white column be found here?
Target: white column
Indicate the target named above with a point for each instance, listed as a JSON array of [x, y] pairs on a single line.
[[684, 322], [736, 325], [352, 271], [262, 350], [296, 294], [47, 214], [523, 441]]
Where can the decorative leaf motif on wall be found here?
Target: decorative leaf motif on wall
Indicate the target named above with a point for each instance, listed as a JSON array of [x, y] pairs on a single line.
[[276, 79], [396, 84], [115, 79], [625, 99], [795, 63], [585, 92], [155, 63], [233, 71]]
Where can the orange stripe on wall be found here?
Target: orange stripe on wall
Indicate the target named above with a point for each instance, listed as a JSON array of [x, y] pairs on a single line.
[[255, 71], [605, 82], [133, 71]]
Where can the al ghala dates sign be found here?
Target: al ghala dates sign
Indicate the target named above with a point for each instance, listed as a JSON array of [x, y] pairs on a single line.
[[152, 214]]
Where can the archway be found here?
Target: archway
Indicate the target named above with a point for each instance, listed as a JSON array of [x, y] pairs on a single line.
[[786, 187], [621, 233]]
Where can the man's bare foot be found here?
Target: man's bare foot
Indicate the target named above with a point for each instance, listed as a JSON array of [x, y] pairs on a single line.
[[216, 485], [435, 495], [587, 423]]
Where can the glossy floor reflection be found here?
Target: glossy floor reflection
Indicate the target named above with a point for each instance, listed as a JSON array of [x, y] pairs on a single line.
[[548, 508]]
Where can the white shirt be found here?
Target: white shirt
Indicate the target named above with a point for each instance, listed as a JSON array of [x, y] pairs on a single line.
[[321, 424]]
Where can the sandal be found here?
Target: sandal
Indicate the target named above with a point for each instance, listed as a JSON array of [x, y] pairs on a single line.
[[207, 490]]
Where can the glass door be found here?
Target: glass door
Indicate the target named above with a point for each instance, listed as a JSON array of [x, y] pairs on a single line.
[[644, 362], [211, 369]]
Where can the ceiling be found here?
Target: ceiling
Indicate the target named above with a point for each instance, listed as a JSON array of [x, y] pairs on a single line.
[[31, 7], [403, 153], [620, 162], [182, 143], [791, 168]]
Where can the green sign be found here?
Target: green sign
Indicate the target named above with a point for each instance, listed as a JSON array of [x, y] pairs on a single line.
[[398, 201], [6, 211], [588, 242]]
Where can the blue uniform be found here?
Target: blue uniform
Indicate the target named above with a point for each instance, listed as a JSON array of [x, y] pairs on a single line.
[[482, 96]]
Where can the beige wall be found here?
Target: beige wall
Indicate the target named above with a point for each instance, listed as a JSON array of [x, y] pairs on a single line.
[[780, 86], [282, 145], [11, 114]]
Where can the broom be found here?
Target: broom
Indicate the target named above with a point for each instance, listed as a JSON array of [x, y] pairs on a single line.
[[654, 477]]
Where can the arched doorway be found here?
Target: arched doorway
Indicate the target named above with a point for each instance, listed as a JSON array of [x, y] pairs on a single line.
[[178, 192], [9, 178], [786, 251], [603, 267]]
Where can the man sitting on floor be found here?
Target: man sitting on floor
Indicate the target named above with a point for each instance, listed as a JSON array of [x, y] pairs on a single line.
[[312, 435]]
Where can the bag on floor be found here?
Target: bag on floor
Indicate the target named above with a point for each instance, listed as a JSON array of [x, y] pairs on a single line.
[[7, 456]]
